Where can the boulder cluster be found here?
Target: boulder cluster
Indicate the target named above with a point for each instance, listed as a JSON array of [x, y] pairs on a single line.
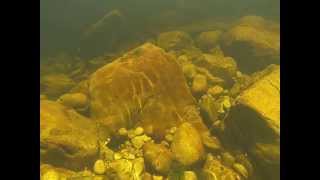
[[201, 106]]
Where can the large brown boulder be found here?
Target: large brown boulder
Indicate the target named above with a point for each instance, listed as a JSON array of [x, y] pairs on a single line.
[[254, 122], [254, 42], [67, 139], [144, 87]]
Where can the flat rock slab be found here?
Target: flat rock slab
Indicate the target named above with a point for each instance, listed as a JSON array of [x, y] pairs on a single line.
[[145, 87]]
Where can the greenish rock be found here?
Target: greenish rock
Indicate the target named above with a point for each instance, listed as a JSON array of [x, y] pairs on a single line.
[[187, 147], [228, 159], [158, 157], [53, 85], [254, 42], [208, 40], [219, 66], [209, 108], [189, 70], [174, 40]]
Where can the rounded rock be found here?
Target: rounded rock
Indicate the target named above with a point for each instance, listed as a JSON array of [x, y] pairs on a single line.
[[169, 137], [199, 84], [189, 175], [187, 146], [50, 175], [99, 167], [138, 131], [122, 131]]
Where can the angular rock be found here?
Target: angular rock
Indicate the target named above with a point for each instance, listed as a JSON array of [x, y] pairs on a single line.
[[158, 156], [219, 66], [254, 42], [187, 147], [146, 88], [254, 122], [67, 139], [256, 115]]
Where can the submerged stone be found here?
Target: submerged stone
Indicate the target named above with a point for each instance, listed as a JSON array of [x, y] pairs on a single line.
[[158, 156], [254, 42], [174, 40], [208, 40], [187, 147], [145, 87]]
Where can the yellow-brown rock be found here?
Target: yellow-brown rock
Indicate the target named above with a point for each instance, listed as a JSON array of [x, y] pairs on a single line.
[[67, 138], [158, 156], [187, 147], [213, 169], [74, 100], [254, 121], [145, 87]]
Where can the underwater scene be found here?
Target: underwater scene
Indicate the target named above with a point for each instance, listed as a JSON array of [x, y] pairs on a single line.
[[160, 90]]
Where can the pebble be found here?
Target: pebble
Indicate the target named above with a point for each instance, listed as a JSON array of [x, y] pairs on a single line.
[[169, 137], [239, 168], [99, 167], [138, 131], [173, 130], [122, 131], [117, 156], [131, 134], [189, 175], [157, 178]]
